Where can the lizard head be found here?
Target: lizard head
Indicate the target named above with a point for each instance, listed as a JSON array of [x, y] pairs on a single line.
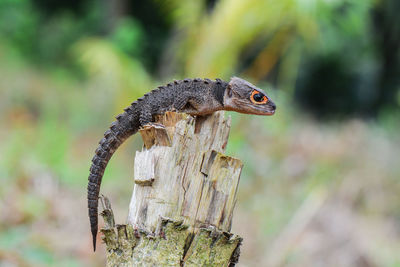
[[244, 97]]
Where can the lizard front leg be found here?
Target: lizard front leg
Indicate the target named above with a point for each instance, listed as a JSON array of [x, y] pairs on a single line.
[[188, 102]]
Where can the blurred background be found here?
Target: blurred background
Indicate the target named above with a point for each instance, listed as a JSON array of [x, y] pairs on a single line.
[[321, 182]]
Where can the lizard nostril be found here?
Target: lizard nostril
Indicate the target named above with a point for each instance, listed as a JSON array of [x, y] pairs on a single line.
[[273, 106]]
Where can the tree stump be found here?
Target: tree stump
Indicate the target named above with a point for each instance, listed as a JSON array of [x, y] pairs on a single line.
[[185, 188]]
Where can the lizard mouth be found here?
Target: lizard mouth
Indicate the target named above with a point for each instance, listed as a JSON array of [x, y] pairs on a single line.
[[261, 112], [266, 113]]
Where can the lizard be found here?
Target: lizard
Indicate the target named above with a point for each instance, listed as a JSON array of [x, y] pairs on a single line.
[[196, 97]]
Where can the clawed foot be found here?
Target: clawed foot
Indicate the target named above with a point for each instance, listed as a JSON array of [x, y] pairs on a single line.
[[153, 124]]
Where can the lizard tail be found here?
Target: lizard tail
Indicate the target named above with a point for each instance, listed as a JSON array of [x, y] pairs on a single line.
[[126, 125]]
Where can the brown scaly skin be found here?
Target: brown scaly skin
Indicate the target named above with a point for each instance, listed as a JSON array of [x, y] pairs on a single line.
[[192, 96]]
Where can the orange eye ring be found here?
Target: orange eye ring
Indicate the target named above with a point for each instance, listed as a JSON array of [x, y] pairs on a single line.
[[258, 98]]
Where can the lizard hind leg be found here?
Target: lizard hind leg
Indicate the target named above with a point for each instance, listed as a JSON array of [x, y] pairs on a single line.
[[146, 119], [145, 116]]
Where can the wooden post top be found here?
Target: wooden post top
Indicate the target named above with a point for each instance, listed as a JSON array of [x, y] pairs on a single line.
[[182, 173]]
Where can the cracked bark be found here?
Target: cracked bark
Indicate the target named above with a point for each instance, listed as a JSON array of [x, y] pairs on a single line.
[[185, 188]]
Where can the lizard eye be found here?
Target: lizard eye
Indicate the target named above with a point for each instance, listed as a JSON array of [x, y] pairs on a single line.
[[258, 98]]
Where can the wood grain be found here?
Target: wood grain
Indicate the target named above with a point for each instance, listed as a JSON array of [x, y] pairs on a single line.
[[181, 209]]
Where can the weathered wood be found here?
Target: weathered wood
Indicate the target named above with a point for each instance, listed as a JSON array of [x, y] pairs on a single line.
[[183, 199]]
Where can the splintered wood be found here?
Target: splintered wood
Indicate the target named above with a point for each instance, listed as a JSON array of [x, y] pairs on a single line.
[[185, 188], [183, 175]]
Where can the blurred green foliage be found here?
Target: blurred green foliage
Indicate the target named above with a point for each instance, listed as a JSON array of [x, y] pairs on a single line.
[[68, 67]]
